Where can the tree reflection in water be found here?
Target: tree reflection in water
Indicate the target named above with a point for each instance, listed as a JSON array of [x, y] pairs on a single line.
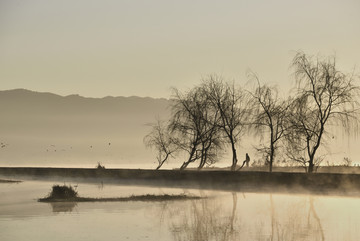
[[213, 219], [317, 222], [206, 220], [294, 224], [234, 216], [58, 207]]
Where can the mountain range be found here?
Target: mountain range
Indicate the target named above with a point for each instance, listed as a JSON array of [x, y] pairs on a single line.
[[45, 129]]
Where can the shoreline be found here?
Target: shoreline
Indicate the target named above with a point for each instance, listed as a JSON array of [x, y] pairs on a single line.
[[247, 181]]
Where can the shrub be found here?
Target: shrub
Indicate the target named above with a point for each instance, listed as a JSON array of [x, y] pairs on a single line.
[[99, 166], [347, 162], [62, 192]]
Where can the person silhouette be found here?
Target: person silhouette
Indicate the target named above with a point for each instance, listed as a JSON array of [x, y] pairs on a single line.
[[247, 160]]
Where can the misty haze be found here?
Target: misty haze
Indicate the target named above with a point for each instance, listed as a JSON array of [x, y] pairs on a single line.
[[52, 130], [188, 120]]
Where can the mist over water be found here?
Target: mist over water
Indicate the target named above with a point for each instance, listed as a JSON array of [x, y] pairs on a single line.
[[218, 216]]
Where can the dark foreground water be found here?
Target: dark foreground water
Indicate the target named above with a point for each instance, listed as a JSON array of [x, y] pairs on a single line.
[[219, 216]]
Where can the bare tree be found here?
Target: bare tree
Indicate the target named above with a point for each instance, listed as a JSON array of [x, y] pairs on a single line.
[[161, 140], [211, 139], [296, 151], [324, 95], [193, 124], [231, 103], [270, 115], [185, 124]]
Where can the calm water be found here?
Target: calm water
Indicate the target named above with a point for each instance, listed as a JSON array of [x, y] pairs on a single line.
[[220, 216]]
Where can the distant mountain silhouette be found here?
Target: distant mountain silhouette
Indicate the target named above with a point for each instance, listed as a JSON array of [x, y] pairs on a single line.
[[52, 130]]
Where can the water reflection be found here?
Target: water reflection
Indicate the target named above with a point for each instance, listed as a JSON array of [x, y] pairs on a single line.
[[214, 219], [317, 225], [58, 207], [205, 219], [219, 216], [296, 224], [101, 185]]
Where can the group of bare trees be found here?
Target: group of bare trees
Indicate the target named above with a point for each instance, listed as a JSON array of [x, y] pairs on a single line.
[[216, 114], [204, 120]]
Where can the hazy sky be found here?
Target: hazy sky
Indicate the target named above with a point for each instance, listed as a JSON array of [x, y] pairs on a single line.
[[117, 47]]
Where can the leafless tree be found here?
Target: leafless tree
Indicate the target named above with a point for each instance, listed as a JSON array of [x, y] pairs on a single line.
[[325, 96], [296, 151], [211, 138], [270, 116], [161, 140], [193, 125], [231, 103]]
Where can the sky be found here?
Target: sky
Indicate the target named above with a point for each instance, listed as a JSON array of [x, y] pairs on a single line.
[[143, 48]]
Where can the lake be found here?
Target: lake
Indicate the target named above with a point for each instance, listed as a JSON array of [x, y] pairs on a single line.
[[218, 216]]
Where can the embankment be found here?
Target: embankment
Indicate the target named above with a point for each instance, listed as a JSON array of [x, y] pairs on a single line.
[[322, 183]]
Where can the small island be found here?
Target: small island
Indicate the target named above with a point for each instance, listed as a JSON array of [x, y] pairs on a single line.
[[66, 193]]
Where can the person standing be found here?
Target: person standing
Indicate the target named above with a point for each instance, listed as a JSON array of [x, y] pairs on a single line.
[[247, 160]]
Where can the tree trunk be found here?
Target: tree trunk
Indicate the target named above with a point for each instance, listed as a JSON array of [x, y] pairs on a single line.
[[312, 154], [234, 160], [162, 162], [271, 157], [158, 167], [203, 157], [184, 165], [272, 149], [202, 162], [311, 166]]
